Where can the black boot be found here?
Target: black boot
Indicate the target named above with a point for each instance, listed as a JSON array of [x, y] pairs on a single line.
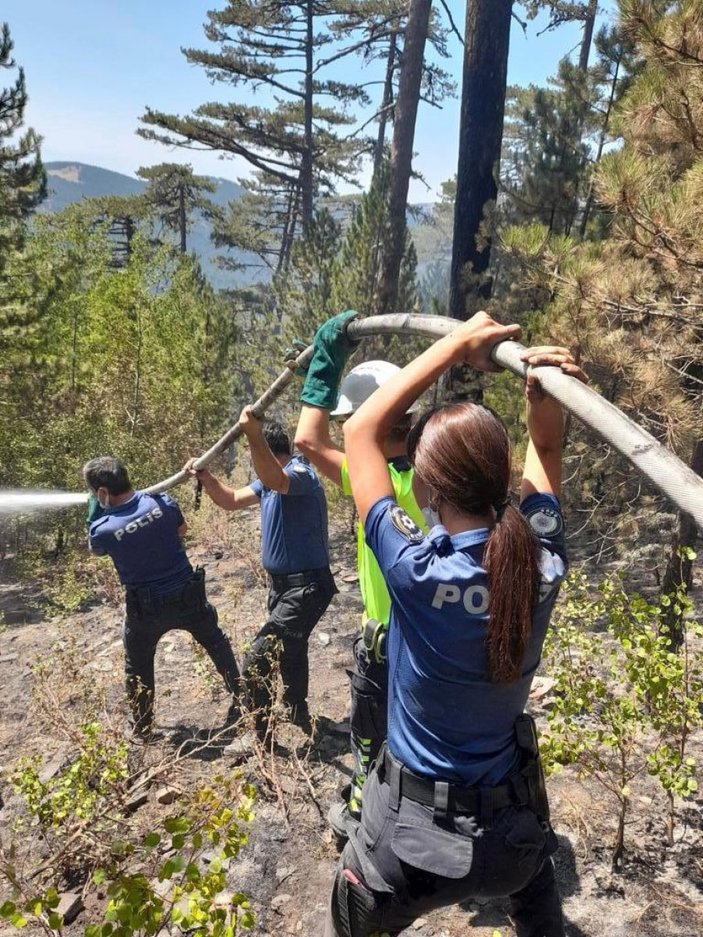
[[300, 716]]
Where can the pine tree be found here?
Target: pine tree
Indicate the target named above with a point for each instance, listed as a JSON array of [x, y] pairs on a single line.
[[554, 137], [22, 176], [22, 187], [136, 361], [487, 36], [359, 278], [375, 31], [634, 299], [405, 116], [174, 193], [275, 49]]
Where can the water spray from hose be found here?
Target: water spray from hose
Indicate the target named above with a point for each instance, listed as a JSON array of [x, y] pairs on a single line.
[[21, 501]]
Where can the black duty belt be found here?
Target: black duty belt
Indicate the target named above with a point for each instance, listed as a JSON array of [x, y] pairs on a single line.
[[291, 580], [453, 797]]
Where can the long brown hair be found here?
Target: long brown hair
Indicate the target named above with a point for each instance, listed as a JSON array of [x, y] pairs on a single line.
[[461, 451]]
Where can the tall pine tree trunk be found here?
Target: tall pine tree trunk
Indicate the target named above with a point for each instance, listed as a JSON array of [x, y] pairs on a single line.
[[306, 161], [386, 103], [182, 220], [588, 25], [599, 153], [584, 53], [291, 222], [486, 42], [404, 119]]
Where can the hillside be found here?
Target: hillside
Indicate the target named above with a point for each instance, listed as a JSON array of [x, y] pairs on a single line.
[[286, 867], [70, 182]]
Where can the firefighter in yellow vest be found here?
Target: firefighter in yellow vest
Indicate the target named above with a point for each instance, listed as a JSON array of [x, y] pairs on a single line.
[[323, 399]]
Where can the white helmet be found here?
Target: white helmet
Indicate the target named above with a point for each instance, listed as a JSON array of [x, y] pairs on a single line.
[[360, 383]]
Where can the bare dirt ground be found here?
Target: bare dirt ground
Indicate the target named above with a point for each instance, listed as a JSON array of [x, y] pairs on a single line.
[[287, 866]]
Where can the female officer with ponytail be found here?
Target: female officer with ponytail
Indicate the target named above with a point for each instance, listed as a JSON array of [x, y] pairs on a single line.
[[455, 807]]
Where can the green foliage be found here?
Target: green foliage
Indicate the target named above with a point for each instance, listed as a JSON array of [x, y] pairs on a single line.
[[22, 176], [554, 136], [331, 271], [77, 793], [183, 890], [305, 295], [42, 907], [626, 702], [175, 875], [174, 193], [630, 297], [71, 586], [134, 362], [272, 46]]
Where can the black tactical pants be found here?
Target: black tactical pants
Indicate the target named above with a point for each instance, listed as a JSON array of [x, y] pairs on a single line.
[[295, 605], [369, 717], [147, 619], [404, 861]]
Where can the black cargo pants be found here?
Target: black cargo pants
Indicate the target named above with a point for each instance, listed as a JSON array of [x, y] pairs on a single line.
[[368, 682], [148, 618], [296, 603], [406, 859]]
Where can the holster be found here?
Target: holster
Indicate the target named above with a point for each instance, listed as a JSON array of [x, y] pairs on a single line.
[[375, 633], [532, 771], [141, 603], [194, 592]]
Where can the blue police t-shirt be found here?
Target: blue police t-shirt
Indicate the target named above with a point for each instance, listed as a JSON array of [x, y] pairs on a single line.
[[141, 538], [294, 525], [446, 718]]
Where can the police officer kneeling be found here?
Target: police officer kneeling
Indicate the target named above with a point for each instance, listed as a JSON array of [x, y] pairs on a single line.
[[455, 807]]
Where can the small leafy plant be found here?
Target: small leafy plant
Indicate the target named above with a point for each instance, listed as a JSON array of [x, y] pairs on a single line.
[[626, 702], [173, 877]]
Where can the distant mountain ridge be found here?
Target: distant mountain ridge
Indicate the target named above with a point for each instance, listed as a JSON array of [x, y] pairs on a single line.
[[72, 181]]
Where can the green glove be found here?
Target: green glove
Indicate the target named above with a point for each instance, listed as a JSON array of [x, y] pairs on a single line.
[[95, 510], [332, 350]]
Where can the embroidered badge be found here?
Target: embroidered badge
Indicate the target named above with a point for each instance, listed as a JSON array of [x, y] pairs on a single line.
[[405, 525], [300, 469], [546, 522]]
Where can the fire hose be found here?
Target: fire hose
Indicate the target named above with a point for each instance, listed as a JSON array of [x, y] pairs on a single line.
[[664, 469]]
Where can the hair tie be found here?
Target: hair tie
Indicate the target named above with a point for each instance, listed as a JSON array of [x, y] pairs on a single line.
[[500, 506]]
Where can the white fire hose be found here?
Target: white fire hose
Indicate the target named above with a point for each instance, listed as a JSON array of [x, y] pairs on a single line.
[[664, 469]]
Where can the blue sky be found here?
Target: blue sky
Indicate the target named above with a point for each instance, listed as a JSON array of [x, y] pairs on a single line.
[[92, 66]]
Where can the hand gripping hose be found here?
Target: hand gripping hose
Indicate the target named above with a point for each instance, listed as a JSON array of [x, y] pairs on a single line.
[[664, 469]]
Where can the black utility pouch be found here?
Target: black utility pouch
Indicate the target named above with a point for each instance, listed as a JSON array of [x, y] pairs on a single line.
[[194, 593], [533, 772], [133, 606]]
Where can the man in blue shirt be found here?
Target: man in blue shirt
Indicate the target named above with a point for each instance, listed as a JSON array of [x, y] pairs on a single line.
[[142, 534], [295, 555]]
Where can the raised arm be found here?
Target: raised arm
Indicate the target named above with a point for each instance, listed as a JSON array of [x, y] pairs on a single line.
[[312, 438], [545, 422], [267, 467], [319, 396], [365, 430]]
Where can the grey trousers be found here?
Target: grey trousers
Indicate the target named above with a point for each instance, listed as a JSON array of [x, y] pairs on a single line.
[[402, 863]]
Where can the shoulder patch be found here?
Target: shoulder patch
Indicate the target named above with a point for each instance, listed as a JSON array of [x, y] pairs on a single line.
[[546, 522], [300, 469], [405, 525]]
